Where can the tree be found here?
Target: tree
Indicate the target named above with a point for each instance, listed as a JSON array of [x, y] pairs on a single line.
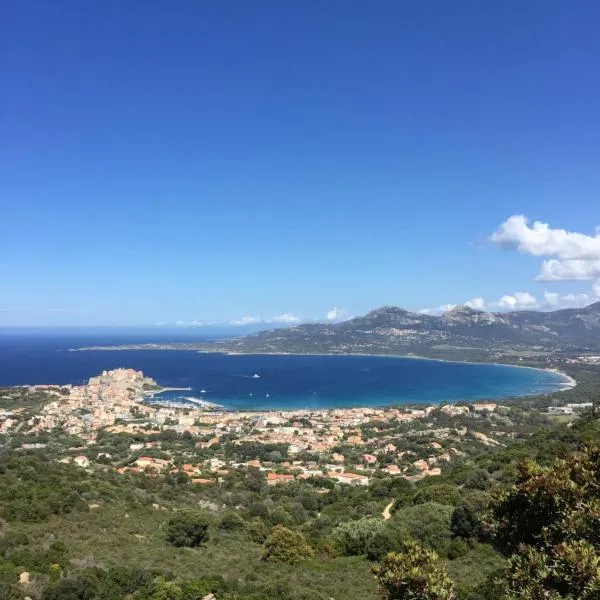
[[383, 542], [428, 524], [286, 546], [464, 523], [231, 521], [571, 570], [187, 528], [72, 588], [353, 537], [413, 574], [549, 526]]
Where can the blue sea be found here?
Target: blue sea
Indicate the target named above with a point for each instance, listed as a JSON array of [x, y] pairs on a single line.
[[259, 382]]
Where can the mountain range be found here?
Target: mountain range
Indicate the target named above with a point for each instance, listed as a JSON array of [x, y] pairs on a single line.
[[461, 331]]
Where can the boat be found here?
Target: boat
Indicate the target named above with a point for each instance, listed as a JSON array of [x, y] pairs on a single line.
[[256, 376]]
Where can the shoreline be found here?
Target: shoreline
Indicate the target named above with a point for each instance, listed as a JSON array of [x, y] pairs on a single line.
[[568, 382]]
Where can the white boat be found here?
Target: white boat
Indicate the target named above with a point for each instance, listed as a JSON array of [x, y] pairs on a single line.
[[256, 376]]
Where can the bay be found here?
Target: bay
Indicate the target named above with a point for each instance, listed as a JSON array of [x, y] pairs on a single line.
[[266, 382]]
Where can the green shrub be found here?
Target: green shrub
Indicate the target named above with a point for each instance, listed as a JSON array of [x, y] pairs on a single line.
[[413, 574], [286, 546], [353, 537], [187, 528]]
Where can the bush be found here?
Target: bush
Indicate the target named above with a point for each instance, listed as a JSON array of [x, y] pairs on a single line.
[[413, 574], [383, 542], [427, 523], [464, 523], [257, 531], [286, 546], [187, 528], [353, 537], [231, 521]]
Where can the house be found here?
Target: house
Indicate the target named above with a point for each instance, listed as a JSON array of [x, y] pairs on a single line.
[[560, 410], [390, 448], [350, 478], [148, 462], [338, 458], [277, 478], [370, 459]]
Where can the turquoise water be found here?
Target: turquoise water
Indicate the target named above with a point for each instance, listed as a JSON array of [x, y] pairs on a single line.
[[283, 381]]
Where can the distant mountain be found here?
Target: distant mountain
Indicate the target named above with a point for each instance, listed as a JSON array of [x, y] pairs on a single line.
[[459, 333]]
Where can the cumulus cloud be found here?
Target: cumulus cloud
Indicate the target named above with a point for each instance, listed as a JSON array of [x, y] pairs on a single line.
[[284, 318], [476, 303], [557, 301], [572, 256], [438, 310], [518, 300], [248, 320], [336, 314], [569, 270], [542, 240], [551, 299]]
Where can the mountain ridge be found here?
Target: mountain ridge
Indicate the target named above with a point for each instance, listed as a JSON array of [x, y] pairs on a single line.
[[393, 330]]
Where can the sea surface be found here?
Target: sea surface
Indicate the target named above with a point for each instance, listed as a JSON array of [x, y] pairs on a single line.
[[263, 382]]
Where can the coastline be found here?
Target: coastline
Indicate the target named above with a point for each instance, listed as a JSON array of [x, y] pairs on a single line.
[[569, 381], [562, 381]]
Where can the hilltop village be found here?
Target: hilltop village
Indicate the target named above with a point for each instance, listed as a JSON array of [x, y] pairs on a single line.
[[345, 445]]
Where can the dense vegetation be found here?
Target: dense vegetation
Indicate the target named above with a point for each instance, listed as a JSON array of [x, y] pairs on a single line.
[[502, 523]]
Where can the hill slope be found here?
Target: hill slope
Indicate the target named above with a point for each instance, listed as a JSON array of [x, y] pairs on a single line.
[[392, 330]]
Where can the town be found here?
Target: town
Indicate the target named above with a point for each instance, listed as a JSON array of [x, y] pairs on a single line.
[[347, 446]]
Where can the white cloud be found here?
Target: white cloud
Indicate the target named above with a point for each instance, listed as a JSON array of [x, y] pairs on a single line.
[[438, 310], [284, 318], [551, 298], [542, 240], [573, 300], [476, 303], [569, 270], [179, 323], [336, 314], [517, 301], [596, 289], [245, 321], [572, 256]]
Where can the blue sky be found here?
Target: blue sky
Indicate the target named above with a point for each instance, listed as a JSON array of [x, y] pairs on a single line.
[[230, 161]]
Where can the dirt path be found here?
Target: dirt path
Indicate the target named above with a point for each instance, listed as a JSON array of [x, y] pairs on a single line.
[[386, 511]]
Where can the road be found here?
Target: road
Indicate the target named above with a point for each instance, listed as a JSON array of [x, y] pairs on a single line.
[[386, 511]]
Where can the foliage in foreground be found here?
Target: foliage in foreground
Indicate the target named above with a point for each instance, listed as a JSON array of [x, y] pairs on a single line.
[[413, 574], [549, 523]]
